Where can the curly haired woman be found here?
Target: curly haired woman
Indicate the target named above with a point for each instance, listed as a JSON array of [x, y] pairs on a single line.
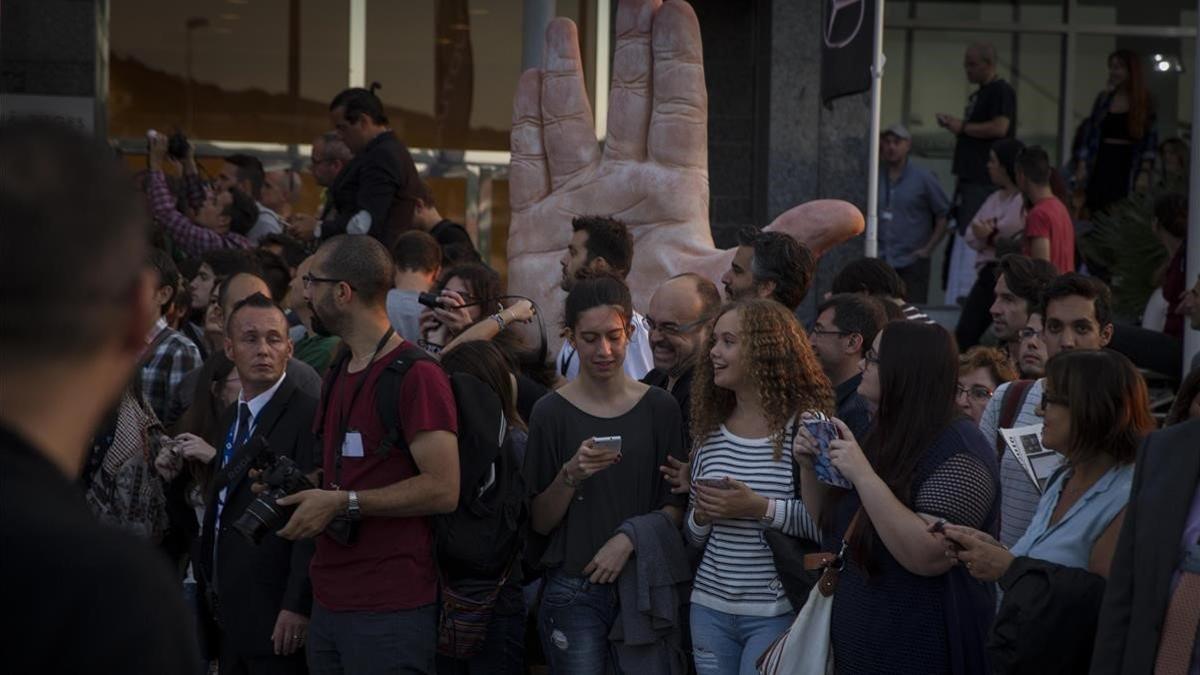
[[760, 374]]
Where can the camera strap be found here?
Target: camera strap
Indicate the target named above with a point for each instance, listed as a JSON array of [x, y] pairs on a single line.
[[340, 438], [250, 450]]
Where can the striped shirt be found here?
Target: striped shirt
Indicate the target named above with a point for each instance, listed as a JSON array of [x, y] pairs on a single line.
[[1018, 496], [737, 574]]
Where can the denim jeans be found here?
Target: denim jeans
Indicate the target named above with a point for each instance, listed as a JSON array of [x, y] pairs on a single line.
[[724, 644], [573, 623], [366, 643]]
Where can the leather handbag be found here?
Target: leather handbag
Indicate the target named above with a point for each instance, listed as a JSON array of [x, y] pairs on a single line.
[[805, 648]]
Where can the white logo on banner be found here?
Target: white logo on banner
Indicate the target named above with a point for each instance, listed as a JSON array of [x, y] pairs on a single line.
[[836, 6]]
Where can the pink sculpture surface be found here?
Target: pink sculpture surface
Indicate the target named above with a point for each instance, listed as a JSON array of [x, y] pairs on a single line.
[[652, 173]]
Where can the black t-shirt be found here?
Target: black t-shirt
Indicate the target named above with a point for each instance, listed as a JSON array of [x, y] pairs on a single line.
[[80, 597], [992, 100], [649, 432], [683, 396]]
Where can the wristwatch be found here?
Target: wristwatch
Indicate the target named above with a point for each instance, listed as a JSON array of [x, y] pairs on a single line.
[[352, 509]]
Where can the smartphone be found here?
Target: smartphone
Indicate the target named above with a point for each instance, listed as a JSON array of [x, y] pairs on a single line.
[[611, 444], [937, 527], [712, 482]]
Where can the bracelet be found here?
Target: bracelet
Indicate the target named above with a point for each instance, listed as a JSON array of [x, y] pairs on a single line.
[[499, 320], [567, 480], [769, 516]]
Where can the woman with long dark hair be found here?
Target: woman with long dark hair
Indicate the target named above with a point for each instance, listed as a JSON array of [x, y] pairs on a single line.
[[1118, 143], [747, 396], [901, 606], [1095, 411], [995, 232]]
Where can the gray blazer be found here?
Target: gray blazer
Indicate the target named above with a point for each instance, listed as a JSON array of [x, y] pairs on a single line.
[[1147, 554]]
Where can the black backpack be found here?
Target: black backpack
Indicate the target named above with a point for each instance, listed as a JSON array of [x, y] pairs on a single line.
[[480, 538]]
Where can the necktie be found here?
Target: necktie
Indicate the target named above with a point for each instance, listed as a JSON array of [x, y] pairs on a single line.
[[1178, 639], [243, 430]]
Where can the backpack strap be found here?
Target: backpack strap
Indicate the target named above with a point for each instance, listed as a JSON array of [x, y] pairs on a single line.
[[331, 376], [1010, 406], [387, 398]]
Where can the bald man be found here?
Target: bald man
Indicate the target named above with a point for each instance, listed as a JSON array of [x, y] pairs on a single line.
[[235, 289], [991, 114]]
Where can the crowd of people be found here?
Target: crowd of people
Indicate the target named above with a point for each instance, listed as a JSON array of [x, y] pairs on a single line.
[[360, 455]]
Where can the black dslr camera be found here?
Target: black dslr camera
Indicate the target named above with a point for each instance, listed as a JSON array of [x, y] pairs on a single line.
[[177, 146], [282, 477]]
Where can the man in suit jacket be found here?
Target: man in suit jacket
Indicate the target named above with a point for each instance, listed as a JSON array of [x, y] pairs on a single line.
[[377, 192], [1148, 555], [262, 593]]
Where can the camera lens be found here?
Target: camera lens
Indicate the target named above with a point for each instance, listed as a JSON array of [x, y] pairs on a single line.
[[263, 515]]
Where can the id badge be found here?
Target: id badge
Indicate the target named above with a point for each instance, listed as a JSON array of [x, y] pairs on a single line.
[[885, 216], [353, 445]]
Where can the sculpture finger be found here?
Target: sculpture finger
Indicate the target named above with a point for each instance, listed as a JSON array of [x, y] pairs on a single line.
[[630, 95], [820, 224], [529, 176], [678, 133], [568, 130]]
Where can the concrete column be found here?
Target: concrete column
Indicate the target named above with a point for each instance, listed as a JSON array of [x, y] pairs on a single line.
[[813, 152]]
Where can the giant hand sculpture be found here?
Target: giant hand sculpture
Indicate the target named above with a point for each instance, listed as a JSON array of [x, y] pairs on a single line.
[[653, 171]]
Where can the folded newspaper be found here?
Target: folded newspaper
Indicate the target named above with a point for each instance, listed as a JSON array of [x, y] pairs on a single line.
[[1025, 443]]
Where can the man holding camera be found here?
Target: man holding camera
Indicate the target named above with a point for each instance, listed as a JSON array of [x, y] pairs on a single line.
[[374, 577], [221, 219], [260, 591]]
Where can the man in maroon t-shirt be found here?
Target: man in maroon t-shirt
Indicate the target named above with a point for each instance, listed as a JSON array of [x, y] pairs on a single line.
[[375, 606], [1049, 232]]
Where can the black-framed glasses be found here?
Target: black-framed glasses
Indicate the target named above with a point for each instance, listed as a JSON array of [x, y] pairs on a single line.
[[309, 280], [818, 331], [1029, 333], [673, 329], [977, 392]]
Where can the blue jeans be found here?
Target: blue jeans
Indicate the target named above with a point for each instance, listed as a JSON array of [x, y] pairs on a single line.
[[573, 623], [724, 644], [366, 643]]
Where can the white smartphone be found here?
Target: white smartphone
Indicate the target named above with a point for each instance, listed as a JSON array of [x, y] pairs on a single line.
[[608, 443]]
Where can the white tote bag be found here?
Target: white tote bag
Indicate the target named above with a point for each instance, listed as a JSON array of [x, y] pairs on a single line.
[[804, 649]]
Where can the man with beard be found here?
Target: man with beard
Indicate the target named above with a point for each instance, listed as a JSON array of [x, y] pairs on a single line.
[[1019, 283], [375, 589], [315, 349], [602, 245], [769, 265], [678, 323]]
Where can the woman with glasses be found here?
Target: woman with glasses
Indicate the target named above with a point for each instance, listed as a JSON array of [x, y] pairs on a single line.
[[467, 294], [759, 375], [980, 371], [1095, 411], [900, 605]]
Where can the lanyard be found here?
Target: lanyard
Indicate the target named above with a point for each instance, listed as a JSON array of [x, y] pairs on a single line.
[[341, 433]]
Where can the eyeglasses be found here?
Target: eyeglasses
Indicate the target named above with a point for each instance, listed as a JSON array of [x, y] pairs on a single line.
[[839, 333], [1029, 333], [309, 280], [977, 392], [673, 329], [871, 357]]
